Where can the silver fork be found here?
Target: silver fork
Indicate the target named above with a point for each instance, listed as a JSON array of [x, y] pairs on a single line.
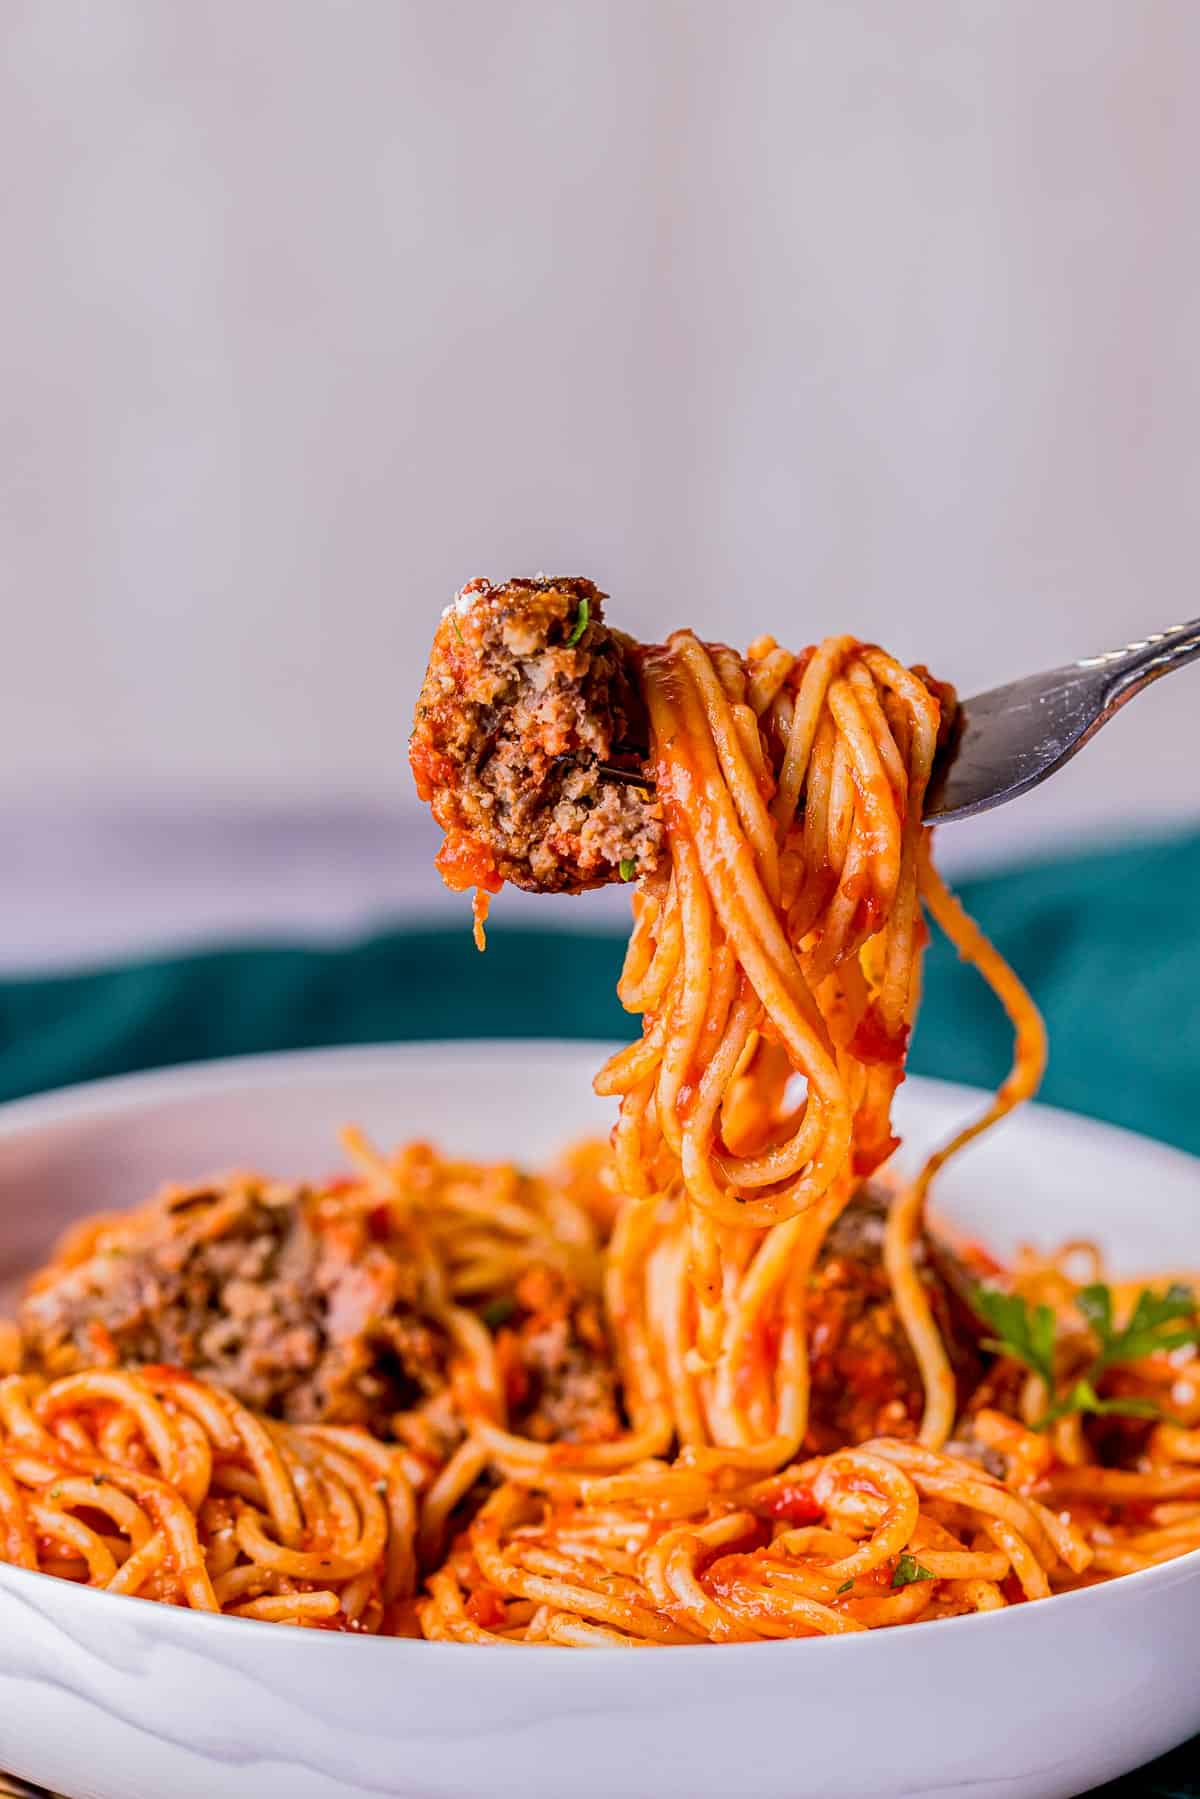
[[1013, 738]]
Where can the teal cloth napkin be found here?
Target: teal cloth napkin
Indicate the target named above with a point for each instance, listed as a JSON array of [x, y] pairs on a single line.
[[1109, 943]]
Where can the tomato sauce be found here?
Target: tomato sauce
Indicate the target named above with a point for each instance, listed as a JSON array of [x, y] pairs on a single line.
[[463, 861], [792, 1503]]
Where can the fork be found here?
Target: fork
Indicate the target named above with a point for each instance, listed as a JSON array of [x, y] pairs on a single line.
[[1011, 739]]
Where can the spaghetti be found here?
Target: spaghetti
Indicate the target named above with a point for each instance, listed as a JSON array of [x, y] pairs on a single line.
[[581, 1409], [888, 1533], [159, 1486], [147, 1481], [783, 940]]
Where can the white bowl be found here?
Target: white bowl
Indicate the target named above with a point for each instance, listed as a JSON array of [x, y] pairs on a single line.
[[120, 1699]]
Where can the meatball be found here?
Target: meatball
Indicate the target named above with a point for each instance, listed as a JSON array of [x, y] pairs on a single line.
[[307, 1305], [288, 1299], [865, 1379], [528, 717], [557, 1362]]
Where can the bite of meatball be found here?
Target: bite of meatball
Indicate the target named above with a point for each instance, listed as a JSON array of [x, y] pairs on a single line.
[[528, 718]]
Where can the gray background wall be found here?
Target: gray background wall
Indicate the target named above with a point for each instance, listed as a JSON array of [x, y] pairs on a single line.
[[832, 314]]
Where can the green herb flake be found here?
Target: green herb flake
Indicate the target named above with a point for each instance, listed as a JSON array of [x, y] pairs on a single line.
[[908, 1569], [1148, 1328], [498, 1311], [54, 1493], [381, 1487], [1083, 1397], [845, 1586], [457, 628], [1158, 1322], [1022, 1331], [581, 623], [628, 868]]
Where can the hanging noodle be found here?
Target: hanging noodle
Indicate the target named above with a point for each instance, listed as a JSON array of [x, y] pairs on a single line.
[[783, 944]]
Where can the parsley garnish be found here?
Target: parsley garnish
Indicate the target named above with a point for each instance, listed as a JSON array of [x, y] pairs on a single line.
[[54, 1493], [457, 627], [845, 1586], [498, 1311], [627, 867], [1145, 1332], [1083, 1397], [908, 1569], [1026, 1334], [581, 623]]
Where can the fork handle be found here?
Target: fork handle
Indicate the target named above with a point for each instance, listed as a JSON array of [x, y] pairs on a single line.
[[1122, 673]]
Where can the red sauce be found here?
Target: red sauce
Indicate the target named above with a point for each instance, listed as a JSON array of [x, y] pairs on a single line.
[[870, 1156], [163, 1373], [791, 1502], [431, 769], [727, 1570], [379, 1223], [479, 912], [513, 1372], [464, 862], [873, 1042], [485, 1607]]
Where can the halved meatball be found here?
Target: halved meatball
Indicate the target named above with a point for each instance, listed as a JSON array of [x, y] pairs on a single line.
[[307, 1305], [286, 1298], [865, 1379], [529, 697]]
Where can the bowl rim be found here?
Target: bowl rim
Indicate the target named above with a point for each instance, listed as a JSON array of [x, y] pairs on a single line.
[[121, 1093], [1143, 1582], [116, 1095]]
